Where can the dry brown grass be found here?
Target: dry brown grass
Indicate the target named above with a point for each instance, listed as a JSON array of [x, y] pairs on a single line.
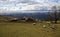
[[28, 30]]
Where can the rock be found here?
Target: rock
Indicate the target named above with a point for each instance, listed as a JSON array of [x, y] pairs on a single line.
[[53, 27]]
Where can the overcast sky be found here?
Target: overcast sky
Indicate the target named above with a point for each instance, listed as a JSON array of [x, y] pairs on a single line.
[[22, 5]]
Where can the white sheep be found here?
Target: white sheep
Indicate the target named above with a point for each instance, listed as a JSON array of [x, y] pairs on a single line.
[[44, 26], [34, 23], [48, 22]]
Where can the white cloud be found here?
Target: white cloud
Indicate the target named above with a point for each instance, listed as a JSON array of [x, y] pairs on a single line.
[[12, 0], [29, 7], [20, 5], [8, 0], [26, 7], [9, 8]]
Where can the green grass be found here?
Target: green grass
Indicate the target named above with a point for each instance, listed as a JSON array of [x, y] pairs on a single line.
[[28, 30]]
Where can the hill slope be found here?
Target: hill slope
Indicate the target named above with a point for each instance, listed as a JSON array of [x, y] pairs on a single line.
[[28, 30]]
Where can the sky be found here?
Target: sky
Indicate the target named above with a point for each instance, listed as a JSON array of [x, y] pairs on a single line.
[[26, 5]]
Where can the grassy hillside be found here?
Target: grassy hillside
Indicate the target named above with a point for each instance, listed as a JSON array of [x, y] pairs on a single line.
[[5, 17], [28, 30], [10, 29]]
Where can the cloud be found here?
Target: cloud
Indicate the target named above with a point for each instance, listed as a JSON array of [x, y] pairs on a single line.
[[56, 1], [21, 5], [9, 8]]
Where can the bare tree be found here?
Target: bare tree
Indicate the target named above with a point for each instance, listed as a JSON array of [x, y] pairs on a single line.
[[55, 13], [50, 17], [58, 12]]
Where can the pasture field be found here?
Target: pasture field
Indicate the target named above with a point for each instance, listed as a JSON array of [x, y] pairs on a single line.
[[28, 30]]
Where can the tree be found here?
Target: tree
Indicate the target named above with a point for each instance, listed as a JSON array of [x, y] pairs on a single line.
[[58, 12], [55, 13], [50, 17]]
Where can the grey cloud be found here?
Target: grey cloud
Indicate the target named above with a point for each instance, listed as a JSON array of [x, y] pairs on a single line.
[[27, 1], [3, 0]]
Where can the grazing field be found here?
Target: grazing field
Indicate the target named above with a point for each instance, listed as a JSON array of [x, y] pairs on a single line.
[[28, 30]]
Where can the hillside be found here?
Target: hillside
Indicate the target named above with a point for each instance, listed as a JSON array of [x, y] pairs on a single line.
[[5, 18], [15, 29], [15, 19], [29, 30]]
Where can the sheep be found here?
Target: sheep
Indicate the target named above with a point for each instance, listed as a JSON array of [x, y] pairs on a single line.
[[44, 26], [34, 24], [48, 22]]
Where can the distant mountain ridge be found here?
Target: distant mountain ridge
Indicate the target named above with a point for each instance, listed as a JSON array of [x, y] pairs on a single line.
[[35, 15], [42, 16]]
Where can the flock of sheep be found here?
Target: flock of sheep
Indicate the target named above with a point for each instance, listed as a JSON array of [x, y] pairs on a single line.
[[52, 26]]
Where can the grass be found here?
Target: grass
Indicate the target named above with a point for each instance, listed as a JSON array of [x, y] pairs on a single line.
[[28, 30]]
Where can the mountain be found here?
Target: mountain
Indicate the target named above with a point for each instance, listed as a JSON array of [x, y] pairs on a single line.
[[37, 15]]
